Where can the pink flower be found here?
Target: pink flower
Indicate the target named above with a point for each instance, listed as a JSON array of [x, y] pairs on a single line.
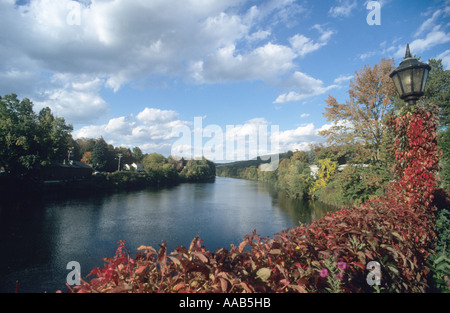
[[339, 276], [323, 272], [342, 265]]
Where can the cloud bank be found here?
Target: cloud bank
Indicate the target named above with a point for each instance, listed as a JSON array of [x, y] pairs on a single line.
[[62, 53]]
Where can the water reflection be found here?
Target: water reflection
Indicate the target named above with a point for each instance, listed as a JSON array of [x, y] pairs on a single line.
[[303, 211], [40, 236]]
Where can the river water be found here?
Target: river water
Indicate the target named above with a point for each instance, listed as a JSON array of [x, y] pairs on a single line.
[[41, 236]]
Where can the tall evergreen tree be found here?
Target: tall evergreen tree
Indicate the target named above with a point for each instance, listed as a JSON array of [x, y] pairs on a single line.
[[437, 90]]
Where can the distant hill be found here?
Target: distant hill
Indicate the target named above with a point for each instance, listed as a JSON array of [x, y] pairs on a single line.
[[253, 162]]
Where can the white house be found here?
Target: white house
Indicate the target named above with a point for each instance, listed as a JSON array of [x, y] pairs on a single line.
[[137, 167]]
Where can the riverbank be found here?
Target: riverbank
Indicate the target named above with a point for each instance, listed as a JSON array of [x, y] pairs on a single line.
[[18, 188]]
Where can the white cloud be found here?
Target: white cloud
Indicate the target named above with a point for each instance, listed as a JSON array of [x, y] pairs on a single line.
[[305, 86], [343, 9], [303, 115], [265, 63], [429, 23], [417, 46], [151, 115], [325, 35], [121, 125], [298, 134], [75, 98], [299, 138], [150, 128], [431, 33], [303, 45], [258, 35], [343, 78], [367, 55], [432, 39]]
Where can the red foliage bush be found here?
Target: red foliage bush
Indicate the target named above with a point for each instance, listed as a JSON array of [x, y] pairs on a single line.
[[328, 255], [416, 153]]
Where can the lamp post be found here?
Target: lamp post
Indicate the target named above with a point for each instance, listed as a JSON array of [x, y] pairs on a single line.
[[69, 152], [416, 141], [120, 156], [410, 78]]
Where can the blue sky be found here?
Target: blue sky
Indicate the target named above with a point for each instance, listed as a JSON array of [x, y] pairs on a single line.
[[132, 71]]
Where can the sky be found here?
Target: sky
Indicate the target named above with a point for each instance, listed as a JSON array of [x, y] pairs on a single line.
[[185, 76]]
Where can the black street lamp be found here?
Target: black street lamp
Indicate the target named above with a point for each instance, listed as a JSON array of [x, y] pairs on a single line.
[[410, 78]]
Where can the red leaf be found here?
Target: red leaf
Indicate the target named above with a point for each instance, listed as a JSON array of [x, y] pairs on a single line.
[[223, 284], [141, 269], [359, 264], [179, 286], [242, 246], [201, 256]]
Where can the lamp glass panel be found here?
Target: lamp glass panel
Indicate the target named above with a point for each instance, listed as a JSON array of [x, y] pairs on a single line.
[[418, 79], [405, 77], [397, 84], [425, 77]]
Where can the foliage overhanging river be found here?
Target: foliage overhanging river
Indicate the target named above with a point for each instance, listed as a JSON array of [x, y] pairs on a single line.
[[41, 236]]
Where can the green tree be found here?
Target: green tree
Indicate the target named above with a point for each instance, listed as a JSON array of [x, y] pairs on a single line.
[[154, 161], [437, 90], [85, 145], [336, 153], [53, 137], [137, 154], [28, 140], [294, 176], [198, 170], [100, 155]]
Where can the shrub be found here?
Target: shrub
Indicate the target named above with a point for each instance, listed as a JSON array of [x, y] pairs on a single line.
[[295, 178], [355, 184], [439, 260]]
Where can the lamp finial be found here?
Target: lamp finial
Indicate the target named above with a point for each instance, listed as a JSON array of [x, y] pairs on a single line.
[[408, 53]]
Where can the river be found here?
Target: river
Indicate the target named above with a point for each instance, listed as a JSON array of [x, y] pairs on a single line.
[[40, 236]]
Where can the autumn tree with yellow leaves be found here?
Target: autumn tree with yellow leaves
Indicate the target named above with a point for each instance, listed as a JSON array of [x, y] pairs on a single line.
[[360, 120]]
